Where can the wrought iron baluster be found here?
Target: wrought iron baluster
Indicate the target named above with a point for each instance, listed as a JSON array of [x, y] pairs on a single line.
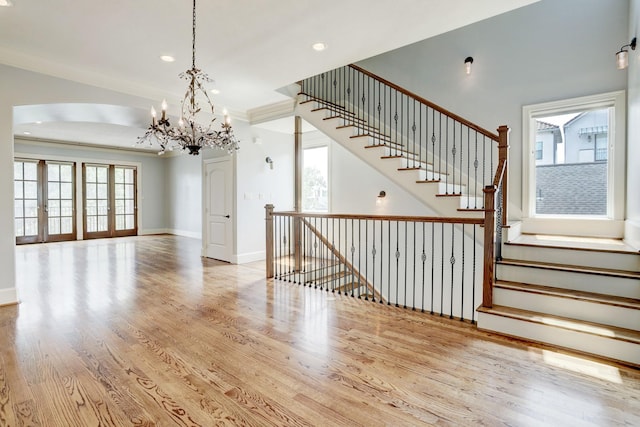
[[441, 268], [463, 277], [432, 263], [452, 260]]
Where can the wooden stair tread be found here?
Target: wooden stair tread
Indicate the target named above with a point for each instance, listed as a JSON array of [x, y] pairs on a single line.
[[574, 243], [570, 294], [571, 268], [470, 210], [591, 328]]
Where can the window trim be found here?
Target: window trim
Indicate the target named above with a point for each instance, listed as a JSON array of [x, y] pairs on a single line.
[[613, 224]]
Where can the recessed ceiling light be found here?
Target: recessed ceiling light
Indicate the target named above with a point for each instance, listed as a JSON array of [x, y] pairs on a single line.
[[6, 3], [165, 58], [319, 47], [26, 133], [39, 122], [215, 91]]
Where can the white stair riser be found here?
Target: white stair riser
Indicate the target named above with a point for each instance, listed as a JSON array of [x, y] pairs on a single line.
[[608, 285], [566, 307], [616, 261], [589, 343]]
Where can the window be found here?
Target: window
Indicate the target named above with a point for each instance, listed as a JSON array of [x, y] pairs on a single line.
[[315, 178], [539, 145], [574, 172]]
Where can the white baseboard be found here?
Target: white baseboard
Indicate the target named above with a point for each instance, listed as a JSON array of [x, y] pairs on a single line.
[[151, 231], [632, 233], [183, 233], [248, 257], [8, 296]]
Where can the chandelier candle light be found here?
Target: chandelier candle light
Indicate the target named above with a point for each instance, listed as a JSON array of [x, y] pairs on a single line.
[[189, 134]]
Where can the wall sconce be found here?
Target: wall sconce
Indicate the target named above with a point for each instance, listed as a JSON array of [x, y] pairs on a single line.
[[381, 196], [467, 64], [269, 162], [622, 57]]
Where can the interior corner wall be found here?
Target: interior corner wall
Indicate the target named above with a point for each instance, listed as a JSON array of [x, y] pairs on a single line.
[[22, 87], [549, 50], [257, 184], [632, 222], [183, 195]]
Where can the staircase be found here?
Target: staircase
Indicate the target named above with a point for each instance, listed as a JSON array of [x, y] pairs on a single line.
[[583, 297], [581, 294]]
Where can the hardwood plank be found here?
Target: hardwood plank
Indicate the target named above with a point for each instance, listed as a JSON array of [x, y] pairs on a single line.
[[142, 331]]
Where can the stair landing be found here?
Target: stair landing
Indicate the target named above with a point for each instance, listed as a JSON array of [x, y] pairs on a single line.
[[570, 242]]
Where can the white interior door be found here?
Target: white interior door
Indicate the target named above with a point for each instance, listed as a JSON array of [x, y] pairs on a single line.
[[218, 210]]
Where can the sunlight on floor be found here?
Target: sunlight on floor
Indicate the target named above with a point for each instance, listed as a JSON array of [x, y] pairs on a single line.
[[577, 364], [577, 326], [543, 237]]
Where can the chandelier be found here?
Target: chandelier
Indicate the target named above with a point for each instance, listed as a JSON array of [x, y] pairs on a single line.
[[189, 134]]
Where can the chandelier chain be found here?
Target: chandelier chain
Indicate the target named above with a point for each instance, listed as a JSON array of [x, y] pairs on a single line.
[[193, 41]]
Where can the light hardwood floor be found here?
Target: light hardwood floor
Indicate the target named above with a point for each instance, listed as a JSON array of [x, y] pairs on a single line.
[[142, 331]]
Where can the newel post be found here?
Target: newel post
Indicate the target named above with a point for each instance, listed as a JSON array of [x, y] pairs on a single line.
[[489, 245], [269, 239], [503, 154]]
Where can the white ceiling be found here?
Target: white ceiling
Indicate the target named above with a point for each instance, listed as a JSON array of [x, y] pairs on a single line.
[[250, 47]]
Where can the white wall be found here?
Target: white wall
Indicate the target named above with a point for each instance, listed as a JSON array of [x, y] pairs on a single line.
[[256, 185], [183, 195], [151, 202], [632, 224], [547, 51], [355, 186], [21, 87]]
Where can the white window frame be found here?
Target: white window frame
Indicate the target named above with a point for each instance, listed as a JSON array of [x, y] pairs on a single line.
[[611, 225]]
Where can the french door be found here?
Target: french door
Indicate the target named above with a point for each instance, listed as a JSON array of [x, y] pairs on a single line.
[[110, 203], [44, 201]]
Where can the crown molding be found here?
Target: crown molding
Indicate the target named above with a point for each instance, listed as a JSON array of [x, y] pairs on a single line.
[[267, 113]]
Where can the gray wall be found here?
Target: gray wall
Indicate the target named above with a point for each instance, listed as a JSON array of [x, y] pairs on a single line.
[[183, 195], [547, 51]]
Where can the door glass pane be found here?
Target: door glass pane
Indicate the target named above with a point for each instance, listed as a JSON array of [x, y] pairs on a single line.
[[17, 170], [66, 225], [31, 171], [66, 173], [19, 227], [53, 172], [54, 190], [18, 189], [54, 226], [572, 163], [31, 226], [30, 189]]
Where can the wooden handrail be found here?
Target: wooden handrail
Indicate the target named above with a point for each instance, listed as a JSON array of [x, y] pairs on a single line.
[[436, 107], [446, 220], [342, 258]]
